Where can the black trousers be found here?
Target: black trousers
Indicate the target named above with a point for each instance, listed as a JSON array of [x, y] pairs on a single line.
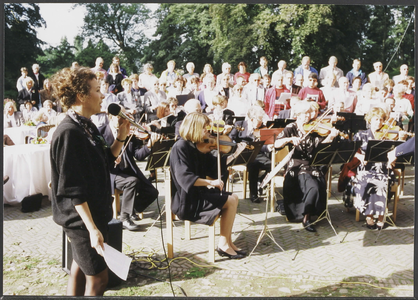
[[136, 194], [261, 162]]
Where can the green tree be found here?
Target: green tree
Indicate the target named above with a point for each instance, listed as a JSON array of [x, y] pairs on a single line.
[[56, 58], [21, 45], [87, 56], [122, 25], [182, 34]]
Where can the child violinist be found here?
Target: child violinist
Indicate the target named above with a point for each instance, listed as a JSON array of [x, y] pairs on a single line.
[[197, 193]]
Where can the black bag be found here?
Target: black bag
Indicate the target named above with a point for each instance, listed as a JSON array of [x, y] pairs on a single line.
[[31, 203]]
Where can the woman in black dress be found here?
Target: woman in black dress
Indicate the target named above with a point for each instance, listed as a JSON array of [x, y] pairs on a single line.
[[80, 180], [196, 196], [304, 188]]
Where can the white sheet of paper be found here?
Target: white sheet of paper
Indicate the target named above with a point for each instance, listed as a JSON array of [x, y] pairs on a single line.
[[117, 262], [283, 98]]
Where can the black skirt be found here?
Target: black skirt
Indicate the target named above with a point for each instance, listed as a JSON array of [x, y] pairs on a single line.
[[210, 204], [86, 257]]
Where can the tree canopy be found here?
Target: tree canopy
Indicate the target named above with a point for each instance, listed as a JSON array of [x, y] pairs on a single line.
[[21, 43], [120, 23], [217, 33]]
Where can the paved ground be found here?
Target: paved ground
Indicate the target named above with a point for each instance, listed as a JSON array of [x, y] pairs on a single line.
[[310, 263]]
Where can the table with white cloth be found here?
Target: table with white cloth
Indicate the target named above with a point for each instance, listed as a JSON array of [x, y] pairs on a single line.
[[18, 134], [29, 169]]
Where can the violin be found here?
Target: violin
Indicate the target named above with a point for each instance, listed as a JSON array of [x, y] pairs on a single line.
[[220, 126], [389, 131], [322, 128], [225, 144]]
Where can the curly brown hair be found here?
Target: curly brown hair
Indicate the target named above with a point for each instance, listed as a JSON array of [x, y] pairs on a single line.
[[68, 83]]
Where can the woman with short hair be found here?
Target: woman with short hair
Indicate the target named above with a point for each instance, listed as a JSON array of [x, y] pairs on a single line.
[[304, 188], [197, 196], [80, 180], [12, 118]]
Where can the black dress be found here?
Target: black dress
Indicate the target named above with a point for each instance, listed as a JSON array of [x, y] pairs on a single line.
[[304, 187], [198, 204]]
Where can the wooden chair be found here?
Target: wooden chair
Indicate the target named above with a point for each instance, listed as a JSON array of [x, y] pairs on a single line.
[[42, 130], [187, 234], [237, 169], [276, 157], [187, 224]]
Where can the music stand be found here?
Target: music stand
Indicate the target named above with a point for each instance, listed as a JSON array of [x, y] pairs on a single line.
[[279, 123], [328, 154], [248, 155], [377, 152], [182, 99], [160, 153], [266, 230]]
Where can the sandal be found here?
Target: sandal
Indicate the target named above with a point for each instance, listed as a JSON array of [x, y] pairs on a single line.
[[368, 221]]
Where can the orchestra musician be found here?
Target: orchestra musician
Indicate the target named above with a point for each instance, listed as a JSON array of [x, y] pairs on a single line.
[[371, 182], [221, 113], [304, 188], [196, 188], [251, 132], [138, 192]]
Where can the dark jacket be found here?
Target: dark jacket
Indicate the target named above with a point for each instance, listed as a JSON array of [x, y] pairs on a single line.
[[187, 164], [79, 173], [135, 149]]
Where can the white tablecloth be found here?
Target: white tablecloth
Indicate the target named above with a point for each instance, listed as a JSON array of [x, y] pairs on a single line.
[[17, 134], [29, 169]]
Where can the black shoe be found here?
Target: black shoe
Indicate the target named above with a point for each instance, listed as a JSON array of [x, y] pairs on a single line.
[[255, 199], [151, 179], [308, 226], [130, 225], [374, 226], [135, 217], [230, 256], [280, 209], [241, 252]]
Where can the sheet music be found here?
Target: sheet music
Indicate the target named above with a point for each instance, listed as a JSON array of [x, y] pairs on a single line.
[[117, 262]]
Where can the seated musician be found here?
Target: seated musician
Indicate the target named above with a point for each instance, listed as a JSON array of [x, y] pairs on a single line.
[[304, 188], [251, 132], [371, 181], [138, 192], [196, 195], [221, 113]]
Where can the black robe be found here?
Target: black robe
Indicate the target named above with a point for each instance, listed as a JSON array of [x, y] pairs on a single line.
[[189, 202]]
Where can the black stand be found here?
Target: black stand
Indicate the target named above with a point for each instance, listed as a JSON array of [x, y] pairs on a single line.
[[328, 154], [352, 123], [160, 153], [377, 152]]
